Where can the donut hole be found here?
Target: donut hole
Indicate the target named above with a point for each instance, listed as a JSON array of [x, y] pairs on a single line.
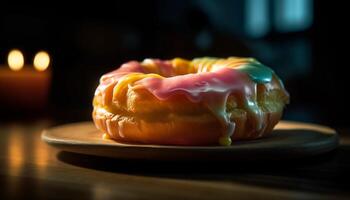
[[171, 68]]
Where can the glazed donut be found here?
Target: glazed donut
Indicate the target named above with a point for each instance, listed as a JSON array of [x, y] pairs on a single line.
[[206, 101]]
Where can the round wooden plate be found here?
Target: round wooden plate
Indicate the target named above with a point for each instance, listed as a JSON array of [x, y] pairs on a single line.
[[289, 140]]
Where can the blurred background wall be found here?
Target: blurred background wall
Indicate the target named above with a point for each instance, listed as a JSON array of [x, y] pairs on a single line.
[[300, 39]]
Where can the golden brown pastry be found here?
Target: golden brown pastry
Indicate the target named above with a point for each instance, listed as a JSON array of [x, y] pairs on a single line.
[[206, 101]]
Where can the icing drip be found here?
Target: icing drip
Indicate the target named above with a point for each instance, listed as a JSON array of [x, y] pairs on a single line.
[[210, 88]]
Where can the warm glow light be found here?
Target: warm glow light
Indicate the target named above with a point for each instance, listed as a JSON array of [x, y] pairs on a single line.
[[15, 150], [15, 60], [41, 61]]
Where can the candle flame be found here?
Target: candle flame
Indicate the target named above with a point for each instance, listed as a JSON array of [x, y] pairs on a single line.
[[41, 61], [15, 60]]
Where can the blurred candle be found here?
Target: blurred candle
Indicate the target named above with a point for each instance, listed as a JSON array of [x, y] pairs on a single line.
[[25, 87], [41, 61], [15, 60]]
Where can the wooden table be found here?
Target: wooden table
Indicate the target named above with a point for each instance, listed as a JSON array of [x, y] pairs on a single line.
[[30, 169]]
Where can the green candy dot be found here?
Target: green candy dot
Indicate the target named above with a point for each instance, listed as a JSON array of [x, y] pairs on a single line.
[[258, 73]]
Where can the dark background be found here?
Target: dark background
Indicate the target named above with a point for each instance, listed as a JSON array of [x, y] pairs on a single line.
[[87, 40]]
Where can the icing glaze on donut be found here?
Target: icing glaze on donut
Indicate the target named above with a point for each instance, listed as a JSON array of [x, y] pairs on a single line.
[[207, 80], [211, 88]]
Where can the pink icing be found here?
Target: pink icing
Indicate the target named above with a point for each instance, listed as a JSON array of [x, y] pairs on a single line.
[[194, 86]]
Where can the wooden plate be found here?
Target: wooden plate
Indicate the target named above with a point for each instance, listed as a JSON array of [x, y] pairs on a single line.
[[289, 140]]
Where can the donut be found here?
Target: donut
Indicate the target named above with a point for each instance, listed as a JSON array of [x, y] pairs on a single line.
[[204, 101]]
